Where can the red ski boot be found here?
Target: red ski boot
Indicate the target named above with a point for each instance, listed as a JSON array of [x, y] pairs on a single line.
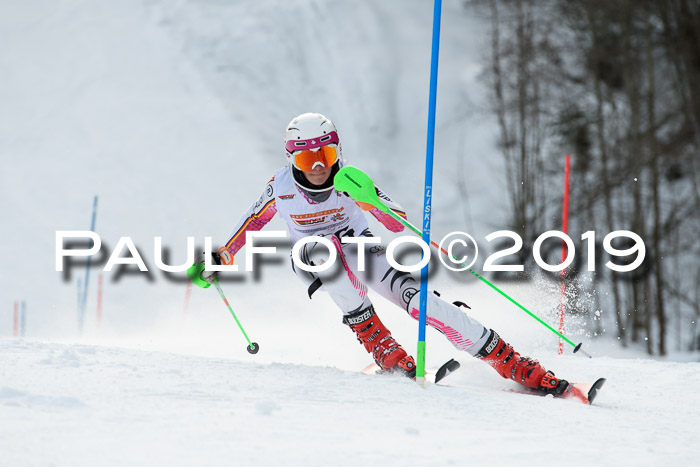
[[524, 370], [376, 338]]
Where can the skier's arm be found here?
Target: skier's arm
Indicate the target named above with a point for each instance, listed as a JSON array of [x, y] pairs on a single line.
[[255, 218], [386, 219]]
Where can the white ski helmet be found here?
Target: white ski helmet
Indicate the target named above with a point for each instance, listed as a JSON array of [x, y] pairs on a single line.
[[309, 140]]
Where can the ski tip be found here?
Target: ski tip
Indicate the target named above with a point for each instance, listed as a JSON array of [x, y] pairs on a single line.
[[593, 392], [447, 368], [454, 365]]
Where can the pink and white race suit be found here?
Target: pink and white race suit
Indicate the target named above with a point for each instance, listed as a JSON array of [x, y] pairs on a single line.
[[338, 217]]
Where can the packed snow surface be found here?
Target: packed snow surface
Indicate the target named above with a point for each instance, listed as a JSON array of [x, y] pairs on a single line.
[[85, 404]]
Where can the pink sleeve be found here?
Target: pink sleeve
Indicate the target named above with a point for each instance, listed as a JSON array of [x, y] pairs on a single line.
[[388, 221], [255, 218]]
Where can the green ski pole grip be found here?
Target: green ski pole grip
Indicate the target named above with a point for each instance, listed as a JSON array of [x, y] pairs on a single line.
[[194, 272]]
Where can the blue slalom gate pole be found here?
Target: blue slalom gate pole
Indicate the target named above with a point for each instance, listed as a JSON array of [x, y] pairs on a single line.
[[427, 198], [86, 282]]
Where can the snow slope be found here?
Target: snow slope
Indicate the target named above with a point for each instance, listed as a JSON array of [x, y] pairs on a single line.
[[85, 404]]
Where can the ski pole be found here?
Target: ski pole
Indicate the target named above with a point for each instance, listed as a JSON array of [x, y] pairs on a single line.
[[195, 274], [361, 188], [253, 347]]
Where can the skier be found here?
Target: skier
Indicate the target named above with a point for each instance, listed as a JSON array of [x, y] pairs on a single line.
[[303, 194]]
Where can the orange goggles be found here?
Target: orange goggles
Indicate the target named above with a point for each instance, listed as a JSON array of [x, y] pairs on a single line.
[[307, 159]]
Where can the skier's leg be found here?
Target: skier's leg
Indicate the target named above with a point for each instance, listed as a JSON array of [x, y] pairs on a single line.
[[524, 370], [466, 333], [377, 339], [346, 291], [463, 331], [350, 294]]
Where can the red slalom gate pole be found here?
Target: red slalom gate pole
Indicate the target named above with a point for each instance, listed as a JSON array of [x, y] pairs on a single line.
[[99, 301], [564, 251], [188, 292], [15, 322]]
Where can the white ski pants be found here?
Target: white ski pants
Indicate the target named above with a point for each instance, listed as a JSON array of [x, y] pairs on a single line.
[[347, 286]]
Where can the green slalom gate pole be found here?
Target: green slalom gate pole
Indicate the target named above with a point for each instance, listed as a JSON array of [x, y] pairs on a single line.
[[361, 188], [195, 274]]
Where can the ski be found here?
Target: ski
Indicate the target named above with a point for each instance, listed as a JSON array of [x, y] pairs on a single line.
[[584, 393], [436, 376], [448, 367]]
